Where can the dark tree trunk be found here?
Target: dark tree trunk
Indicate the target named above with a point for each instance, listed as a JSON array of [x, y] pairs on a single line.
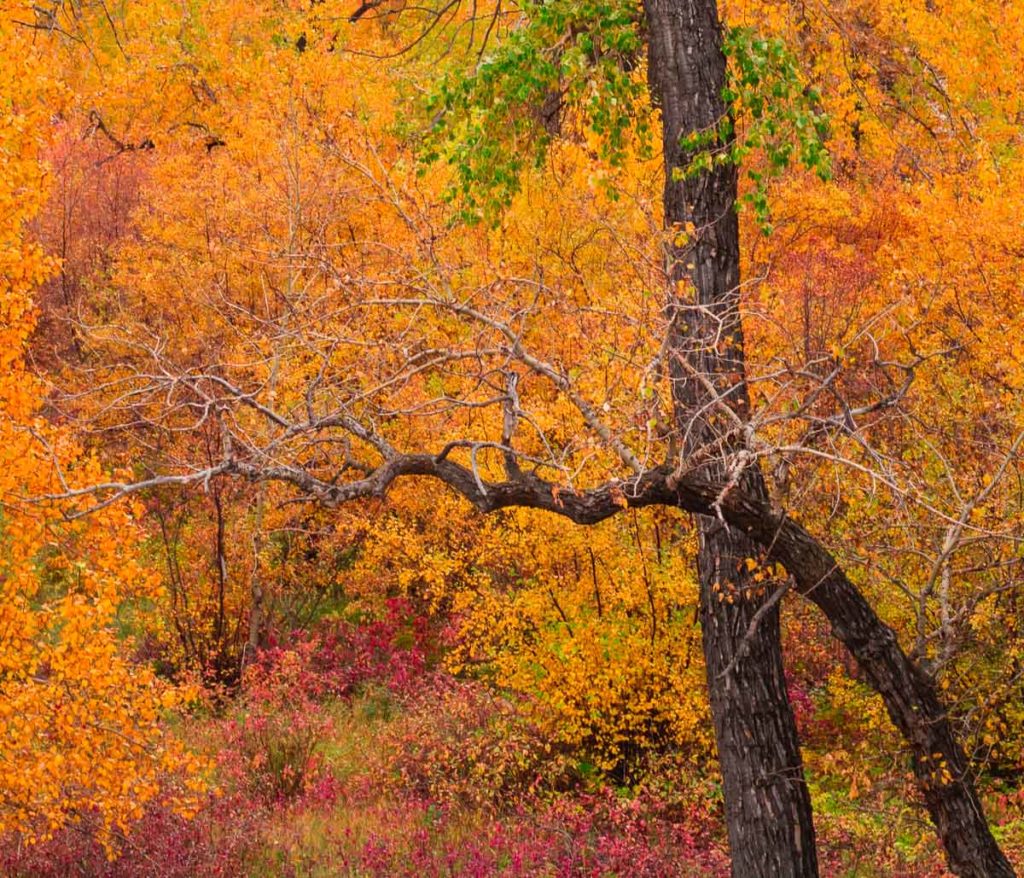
[[767, 805], [940, 765], [768, 809]]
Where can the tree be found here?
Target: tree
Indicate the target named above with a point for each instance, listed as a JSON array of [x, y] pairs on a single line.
[[768, 808], [266, 439]]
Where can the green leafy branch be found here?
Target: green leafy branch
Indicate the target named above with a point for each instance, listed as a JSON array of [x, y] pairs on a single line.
[[780, 118], [488, 127]]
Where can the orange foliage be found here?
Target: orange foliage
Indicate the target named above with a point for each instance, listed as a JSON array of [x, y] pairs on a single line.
[[279, 201], [80, 722]]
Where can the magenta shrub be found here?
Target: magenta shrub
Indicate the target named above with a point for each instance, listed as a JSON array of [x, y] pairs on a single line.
[[215, 844], [339, 658], [456, 783]]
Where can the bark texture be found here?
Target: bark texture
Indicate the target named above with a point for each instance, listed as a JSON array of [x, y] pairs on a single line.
[[768, 809]]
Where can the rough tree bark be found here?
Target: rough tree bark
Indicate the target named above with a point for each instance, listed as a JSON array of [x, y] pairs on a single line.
[[770, 827], [767, 805]]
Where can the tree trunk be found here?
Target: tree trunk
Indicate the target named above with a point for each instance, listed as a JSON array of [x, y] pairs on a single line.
[[768, 809], [767, 805], [940, 765]]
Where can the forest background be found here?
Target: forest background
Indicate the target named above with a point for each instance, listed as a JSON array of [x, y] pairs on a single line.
[[212, 212]]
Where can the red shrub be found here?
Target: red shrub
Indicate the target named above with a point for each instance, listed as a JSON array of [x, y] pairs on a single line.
[[215, 844], [339, 658]]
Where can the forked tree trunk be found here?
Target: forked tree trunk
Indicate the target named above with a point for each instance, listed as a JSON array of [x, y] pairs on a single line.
[[767, 806], [768, 809]]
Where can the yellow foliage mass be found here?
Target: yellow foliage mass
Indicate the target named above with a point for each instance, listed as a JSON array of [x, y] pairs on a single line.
[[79, 721]]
